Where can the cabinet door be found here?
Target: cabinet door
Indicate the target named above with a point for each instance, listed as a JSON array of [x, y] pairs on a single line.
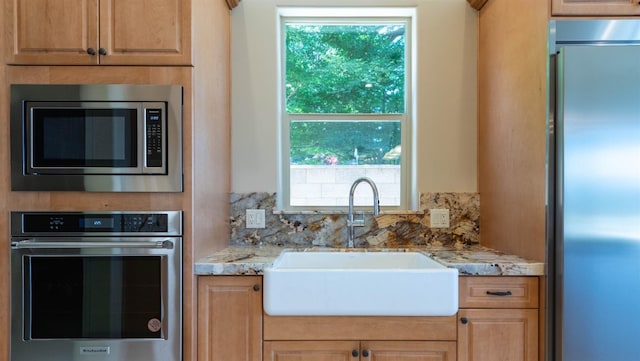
[[145, 32], [595, 7], [408, 351], [498, 334], [311, 351], [229, 318], [52, 31]]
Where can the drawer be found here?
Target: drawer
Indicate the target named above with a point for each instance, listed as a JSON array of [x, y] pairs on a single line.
[[498, 292]]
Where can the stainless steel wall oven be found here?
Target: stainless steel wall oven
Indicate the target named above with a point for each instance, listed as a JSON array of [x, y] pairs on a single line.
[[88, 286], [96, 137]]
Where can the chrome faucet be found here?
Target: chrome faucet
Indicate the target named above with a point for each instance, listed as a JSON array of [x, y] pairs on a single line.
[[376, 205]]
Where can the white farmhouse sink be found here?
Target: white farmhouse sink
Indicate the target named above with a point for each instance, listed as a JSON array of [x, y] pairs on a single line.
[[359, 283]]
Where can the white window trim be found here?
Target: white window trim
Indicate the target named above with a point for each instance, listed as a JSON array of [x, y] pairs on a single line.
[[409, 196]]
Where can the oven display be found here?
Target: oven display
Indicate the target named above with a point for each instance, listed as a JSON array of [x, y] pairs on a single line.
[[96, 223]]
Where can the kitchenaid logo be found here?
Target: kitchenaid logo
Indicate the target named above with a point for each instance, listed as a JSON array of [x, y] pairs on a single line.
[[95, 350]]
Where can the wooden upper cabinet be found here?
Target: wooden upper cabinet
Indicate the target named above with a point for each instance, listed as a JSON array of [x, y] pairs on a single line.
[[145, 32], [51, 31], [595, 7], [90, 32]]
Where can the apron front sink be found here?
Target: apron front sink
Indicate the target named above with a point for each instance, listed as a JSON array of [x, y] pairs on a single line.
[[359, 283]]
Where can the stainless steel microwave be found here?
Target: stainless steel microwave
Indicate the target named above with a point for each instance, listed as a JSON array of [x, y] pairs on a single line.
[[96, 138]]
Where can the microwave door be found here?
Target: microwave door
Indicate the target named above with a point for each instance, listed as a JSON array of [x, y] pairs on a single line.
[[93, 138]]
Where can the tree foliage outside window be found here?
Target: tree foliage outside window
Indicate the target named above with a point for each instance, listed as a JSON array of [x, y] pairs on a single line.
[[345, 69], [344, 142]]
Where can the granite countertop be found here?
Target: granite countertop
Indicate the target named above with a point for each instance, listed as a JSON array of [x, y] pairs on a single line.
[[473, 260]]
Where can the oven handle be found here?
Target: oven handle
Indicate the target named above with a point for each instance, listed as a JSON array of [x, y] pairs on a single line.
[[25, 244]]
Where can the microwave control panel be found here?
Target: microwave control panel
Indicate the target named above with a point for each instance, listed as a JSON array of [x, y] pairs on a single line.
[[154, 137]]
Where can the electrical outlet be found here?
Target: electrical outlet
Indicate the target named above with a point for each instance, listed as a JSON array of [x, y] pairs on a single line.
[[439, 218], [255, 218]]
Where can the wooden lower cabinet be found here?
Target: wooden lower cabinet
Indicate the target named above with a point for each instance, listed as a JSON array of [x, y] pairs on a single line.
[[498, 319], [359, 350], [359, 338], [229, 318], [498, 334]]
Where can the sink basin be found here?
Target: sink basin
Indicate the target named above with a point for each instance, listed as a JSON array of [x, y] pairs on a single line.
[[359, 283]]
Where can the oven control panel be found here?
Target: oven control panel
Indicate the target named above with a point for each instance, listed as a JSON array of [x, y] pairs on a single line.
[[133, 223]]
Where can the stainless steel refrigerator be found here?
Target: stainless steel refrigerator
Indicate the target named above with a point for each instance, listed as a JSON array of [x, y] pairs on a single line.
[[595, 191]]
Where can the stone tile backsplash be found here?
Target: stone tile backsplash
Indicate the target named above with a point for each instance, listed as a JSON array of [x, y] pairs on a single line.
[[388, 230]]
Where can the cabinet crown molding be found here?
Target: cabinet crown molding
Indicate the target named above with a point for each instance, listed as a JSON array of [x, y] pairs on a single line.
[[477, 4], [232, 3]]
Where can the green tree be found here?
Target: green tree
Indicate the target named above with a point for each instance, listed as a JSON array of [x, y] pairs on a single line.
[[345, 68]]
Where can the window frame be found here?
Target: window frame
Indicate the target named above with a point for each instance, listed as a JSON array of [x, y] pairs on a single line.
[[346, 15]]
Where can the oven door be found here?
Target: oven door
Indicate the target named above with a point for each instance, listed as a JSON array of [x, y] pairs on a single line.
[[96, 299]]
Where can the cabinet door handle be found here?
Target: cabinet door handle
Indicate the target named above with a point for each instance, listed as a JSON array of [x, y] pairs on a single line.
[[499, 293], [365, 353], [91, 51], [102, 51], [464, 320], [256, 288], [354, 353]]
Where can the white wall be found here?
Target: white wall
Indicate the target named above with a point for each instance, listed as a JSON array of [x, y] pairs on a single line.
[[446, 91]]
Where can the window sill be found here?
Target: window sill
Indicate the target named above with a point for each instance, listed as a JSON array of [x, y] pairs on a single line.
[[358, 211]]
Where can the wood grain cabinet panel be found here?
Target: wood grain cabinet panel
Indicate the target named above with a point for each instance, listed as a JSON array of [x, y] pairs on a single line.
[[407, 351], [311, 350], [359, 338], [498, 334], [145, 32], [229, 318], [498, 292], [52, 31], [498, 319], [359, 351], [90, 32], [595, 7]]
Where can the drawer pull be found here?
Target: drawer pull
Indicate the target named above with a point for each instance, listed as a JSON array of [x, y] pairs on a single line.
[[499, 293]]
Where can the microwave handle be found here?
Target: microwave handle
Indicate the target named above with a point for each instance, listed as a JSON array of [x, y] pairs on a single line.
[[26, 244]]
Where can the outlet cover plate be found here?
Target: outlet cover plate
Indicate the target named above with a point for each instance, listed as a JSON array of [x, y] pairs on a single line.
[[439, 218], [255, 218]]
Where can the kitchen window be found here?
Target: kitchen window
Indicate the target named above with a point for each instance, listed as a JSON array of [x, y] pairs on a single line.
[[346, 90]]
